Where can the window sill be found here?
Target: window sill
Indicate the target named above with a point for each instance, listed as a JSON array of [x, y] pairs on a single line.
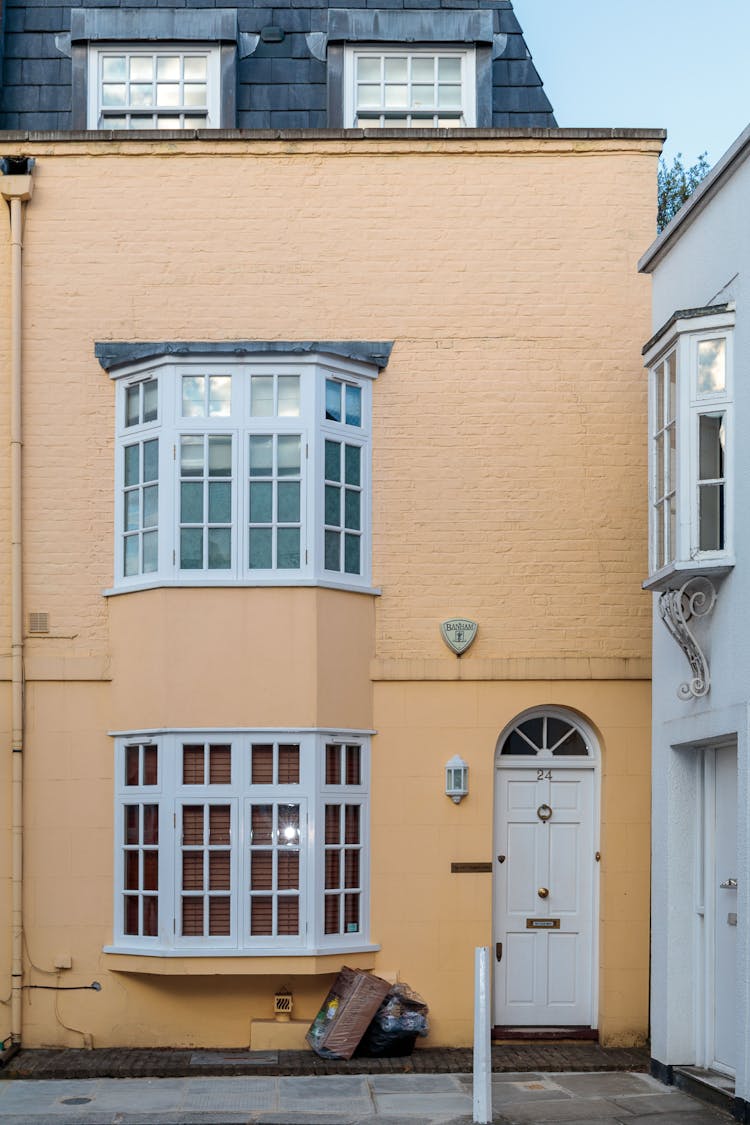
[[676, 574], [264, 583], [213, 963]]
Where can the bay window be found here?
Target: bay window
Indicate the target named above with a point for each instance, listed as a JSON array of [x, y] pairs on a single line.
[[251, 472], [241, 842], [691, 408]]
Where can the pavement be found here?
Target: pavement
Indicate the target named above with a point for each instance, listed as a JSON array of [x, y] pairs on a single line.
[[610, 1098], [522, 1098]]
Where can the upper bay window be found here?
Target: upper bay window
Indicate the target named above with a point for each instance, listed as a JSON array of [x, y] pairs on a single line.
[[410, 88], [254, 472], [691, 404]]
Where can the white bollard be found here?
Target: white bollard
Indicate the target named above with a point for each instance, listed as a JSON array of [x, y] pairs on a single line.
[[482, 1055]]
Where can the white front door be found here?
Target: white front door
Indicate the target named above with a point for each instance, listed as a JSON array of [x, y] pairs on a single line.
[[544, 893], [722, 887]]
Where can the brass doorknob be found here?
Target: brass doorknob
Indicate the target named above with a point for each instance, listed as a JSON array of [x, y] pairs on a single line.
[[543, 892]]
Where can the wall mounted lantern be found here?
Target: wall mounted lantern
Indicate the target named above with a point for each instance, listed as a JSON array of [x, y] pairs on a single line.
[[456, 779]]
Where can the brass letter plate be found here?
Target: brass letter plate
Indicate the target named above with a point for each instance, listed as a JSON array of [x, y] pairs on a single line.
[[542, 923], [471, 868]]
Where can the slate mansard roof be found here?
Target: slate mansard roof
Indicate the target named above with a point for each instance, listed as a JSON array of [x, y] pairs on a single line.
[[274, 85]]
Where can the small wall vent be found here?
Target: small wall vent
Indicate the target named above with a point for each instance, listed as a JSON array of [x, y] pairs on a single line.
[[39, 623]]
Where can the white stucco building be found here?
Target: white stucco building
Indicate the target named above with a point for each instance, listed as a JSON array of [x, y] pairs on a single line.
[[699, 509]]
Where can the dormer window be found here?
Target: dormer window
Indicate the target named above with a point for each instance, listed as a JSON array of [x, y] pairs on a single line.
[[391, 87], [137, 87]]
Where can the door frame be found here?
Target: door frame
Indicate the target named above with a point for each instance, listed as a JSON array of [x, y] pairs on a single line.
[[591, 762]]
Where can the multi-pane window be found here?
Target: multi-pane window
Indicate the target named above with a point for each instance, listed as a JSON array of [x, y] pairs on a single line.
[[691, 417], [135, 87], [242, 842], [244, 472], [419, 88]]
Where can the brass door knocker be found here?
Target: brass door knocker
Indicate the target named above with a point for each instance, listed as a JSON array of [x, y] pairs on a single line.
[[544, 812]]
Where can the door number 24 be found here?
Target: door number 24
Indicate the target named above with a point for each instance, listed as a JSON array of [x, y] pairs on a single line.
[[544, 775]]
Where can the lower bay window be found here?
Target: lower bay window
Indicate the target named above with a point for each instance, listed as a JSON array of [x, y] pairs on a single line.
[[245, 842]]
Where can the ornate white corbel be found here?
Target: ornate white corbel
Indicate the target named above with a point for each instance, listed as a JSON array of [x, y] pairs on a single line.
[[696, 598]]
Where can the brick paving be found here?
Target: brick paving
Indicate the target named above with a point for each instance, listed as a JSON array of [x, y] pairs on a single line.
[[114, 1062]]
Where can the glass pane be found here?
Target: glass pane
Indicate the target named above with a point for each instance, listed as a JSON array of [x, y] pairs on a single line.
[[353, 771], [151, 460], [332, 914], [332, 550], [333, 460], [351, 914], [659, 397], [131, 914], [333, 505], [132, 834], [132, 464], [395, 69], [289, 455], [150, 400], [288, 765], [351, 824], [670, 367], [192, 871], [151, 824], [195, 69], [191, 456], [333, 764], [261, 915], [368, 97], [261, 764], [192, 824], [289, 396], [711, 366], [192, 917], [132, 510], [659, 465], [167, 94], [261, 456], [672, 529], [195, 122], [396, 97], [141, 68], [288, 501], [449, 97], [260, 549], [333, 824], [534, 731], [352, 554], [333, 869], [132, 760], [219, 548], [661, 556], [672, 438], [220, 395], [168, 68], [711, 446], [287, 548], [449, 69], [218, 824], [288, 871], [220, 765], [150, 916], [261, 502], [423, 69], [423, 97], [150, 552], [191, 502], [351, 868], [164, 122], [711, 509], [288, 831], [132, 406], [261, 824], [351, 509], [193, 765], [191, 548], [193, 391], [131, 560], [219, 871], [333, 400], [150, 765], [219, 502], [515, 744], [353, 406], [573, 745], [151, 506], [261, 396], [113, 93], [141, 95], [352, 464], [220, 456], [113, 68], [195, 94], [151, 871], [368, 70]]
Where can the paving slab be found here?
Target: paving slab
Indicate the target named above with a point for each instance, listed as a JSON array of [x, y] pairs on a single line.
[[610, 1085], [562, 1110]]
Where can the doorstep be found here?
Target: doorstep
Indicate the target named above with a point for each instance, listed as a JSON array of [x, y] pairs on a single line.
[[706, 1085]]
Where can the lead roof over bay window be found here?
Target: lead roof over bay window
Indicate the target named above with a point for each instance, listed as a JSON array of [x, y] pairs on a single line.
[[296, 64]]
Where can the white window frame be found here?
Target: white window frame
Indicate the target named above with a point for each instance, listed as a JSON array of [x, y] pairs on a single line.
[[418, 119], [97, 114], [680, 346], [312, 794], [311, 425]]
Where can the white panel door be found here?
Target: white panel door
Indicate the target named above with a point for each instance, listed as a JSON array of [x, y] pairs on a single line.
[[724, 968], [544, 873]]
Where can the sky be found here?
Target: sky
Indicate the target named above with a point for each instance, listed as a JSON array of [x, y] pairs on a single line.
[[679, 65]]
